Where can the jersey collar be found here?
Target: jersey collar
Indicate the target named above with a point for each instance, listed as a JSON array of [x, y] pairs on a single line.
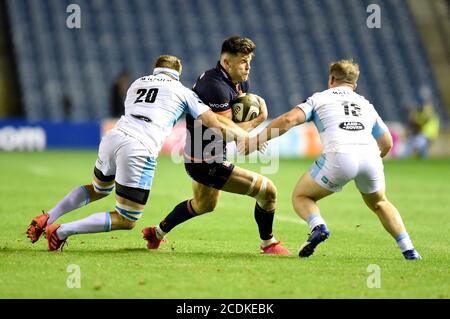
[[167, 71]]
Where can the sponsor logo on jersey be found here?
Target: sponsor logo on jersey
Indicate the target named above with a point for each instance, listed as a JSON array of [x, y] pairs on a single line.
[[352, 126], [218, 106]]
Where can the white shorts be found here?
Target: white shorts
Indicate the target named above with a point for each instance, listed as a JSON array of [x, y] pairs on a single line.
[[125, 157], [333, 170]]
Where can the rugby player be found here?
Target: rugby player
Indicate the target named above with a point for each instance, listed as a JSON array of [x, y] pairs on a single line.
[[205, 155], [127, 154], [355, 139]]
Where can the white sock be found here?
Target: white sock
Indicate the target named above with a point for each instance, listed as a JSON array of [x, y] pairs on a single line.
[[404, 242], [314, 220], [96, 223], [268, 242], [75, 199], [159, 233]]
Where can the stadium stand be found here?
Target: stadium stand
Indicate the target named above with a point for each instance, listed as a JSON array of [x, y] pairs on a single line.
[[295, 40]]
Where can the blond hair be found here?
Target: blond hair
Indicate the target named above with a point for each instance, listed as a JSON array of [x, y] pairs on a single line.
[[169, 61], [344, 71]]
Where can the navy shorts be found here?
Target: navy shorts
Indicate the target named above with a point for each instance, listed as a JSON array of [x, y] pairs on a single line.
[[214, 175]]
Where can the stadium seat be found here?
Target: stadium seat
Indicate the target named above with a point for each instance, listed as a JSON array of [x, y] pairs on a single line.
[[296, 40]]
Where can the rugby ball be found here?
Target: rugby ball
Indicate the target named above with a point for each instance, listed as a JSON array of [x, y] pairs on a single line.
[[245, 108]]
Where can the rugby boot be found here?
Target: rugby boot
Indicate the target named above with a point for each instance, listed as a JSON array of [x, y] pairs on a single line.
[[37, 227], [275, 249], [318, 235], [149, 234], [411, 254], [54, 243]]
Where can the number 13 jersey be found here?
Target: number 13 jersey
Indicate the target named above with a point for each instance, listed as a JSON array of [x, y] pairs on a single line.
[[346, 121]]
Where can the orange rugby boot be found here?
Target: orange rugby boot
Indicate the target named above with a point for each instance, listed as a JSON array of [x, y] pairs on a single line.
[[37, 227]]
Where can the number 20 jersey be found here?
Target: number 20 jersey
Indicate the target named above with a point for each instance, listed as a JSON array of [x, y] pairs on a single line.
[[162, 100], [346, 121]]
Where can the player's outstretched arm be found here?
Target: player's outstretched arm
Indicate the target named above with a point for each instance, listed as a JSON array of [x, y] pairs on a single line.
[[385, 143], [282, 124], [229, 130], [276, 128], [250, 125]]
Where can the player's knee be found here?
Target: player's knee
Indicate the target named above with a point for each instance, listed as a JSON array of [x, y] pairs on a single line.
[[271, 192], [298, 200], [294, 199], [118, 221], [100, 190], [266, 197], [93, 194], [128, 214], [378, 204], [204, 207]]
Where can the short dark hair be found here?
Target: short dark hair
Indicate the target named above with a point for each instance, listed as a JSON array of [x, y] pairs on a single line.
[[237, 44], [168, 61]]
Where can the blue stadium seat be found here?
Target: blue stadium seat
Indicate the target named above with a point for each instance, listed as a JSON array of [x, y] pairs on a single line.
[[296, 40]]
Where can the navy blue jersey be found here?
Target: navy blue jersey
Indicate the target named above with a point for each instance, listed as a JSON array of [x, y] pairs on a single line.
[[215, 89]]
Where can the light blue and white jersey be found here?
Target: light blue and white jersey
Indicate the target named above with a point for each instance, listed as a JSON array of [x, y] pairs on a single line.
[[153, 105], [346, 121]]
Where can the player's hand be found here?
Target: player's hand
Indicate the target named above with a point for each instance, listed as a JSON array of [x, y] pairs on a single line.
[[250, 144], [263, 147], [243, 146], [262, 111], [261, 101]]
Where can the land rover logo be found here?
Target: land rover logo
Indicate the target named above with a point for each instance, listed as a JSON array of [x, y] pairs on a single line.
[[351, 126]]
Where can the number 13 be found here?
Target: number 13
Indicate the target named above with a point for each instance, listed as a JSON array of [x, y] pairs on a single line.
[[355, 109]]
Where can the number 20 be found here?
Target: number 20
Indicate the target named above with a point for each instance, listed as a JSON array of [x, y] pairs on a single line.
[[149, 98]]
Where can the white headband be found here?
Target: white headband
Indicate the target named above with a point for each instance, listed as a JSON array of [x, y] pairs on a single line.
[[168, 71]]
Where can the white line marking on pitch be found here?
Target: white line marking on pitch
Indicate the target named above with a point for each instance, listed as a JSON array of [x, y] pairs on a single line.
[[296, 220], [40, 170]]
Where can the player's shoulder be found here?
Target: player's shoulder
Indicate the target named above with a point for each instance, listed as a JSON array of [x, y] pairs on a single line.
[[136, 82], [362, 100], [145, 78], [143, 81], [341, 92], [181, 90], [211, 79], [210, 74], [214, 90], [318, 97]]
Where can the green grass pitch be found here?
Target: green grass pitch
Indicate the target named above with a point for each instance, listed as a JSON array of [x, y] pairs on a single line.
[[217, 255]]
